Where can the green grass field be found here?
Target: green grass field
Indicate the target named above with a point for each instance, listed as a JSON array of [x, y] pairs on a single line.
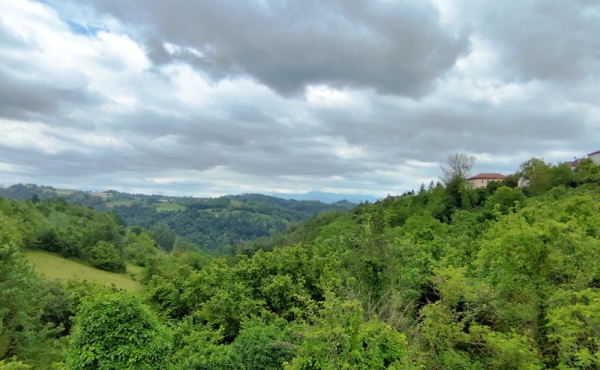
[[53, 267], [169, 207], [64, 191], [119, 203], [134, 269], [237, 203]]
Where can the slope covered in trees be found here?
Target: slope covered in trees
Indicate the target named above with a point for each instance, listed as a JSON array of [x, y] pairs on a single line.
[[224, 223], [443, 278]]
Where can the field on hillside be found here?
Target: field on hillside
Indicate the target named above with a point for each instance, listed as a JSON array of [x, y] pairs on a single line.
[[53, 267], [113, 203], [169, 207], [63, 192]]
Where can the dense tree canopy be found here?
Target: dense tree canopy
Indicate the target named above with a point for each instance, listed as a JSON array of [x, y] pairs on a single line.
[[448, 277]]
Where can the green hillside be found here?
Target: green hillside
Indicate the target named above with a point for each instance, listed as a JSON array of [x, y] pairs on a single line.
[[52, 266], [446, 277], [226, 223]]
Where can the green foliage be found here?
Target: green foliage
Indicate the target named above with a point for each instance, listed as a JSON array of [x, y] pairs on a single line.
[[573, 323], [341, 339], [26, 330], [106, 257], [447, 278], [117, 332], [263, 348], [197, 348], [14, 365], [71, 230], [164, 236], [232, 221], [587, 172], [543, 176], [506, 197], [139, 246]]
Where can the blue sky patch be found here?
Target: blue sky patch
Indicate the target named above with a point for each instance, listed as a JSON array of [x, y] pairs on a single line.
[[80, 29]]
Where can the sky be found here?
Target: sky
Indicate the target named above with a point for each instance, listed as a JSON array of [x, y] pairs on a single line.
[[218, 97]]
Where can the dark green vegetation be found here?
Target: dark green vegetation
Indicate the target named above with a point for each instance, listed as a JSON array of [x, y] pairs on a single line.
[[443, 278], [227, 223]]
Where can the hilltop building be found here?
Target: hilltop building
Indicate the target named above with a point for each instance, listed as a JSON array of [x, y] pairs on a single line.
[[483, 179], [595, 156], [575, 163]]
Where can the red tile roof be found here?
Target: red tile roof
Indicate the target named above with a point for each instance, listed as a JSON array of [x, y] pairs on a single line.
[[488, 176], [596, 152]]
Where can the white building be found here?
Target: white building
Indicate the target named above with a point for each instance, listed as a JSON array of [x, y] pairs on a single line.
[[595, 156]]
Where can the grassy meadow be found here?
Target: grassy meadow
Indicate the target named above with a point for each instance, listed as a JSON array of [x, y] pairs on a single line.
[[169, 207], [113, 203], [53, 266]]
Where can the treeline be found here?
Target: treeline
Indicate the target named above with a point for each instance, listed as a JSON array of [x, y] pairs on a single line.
[[309, 207], [37, 193]]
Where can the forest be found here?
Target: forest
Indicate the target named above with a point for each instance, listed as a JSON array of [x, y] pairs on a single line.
[[214, 224], [444, 277]]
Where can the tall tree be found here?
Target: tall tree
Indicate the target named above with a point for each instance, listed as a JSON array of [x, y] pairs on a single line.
[[459, 165]]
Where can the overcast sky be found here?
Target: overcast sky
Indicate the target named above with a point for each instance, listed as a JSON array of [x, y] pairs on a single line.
[[219, 97]]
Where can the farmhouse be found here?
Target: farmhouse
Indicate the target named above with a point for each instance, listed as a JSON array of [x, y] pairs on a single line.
[[483, 179]]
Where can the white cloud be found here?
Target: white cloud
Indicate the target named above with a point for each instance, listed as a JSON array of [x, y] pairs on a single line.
[[228, 118]]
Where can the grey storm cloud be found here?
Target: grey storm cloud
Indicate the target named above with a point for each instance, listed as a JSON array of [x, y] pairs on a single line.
[[432, 134], [25, 100], [292, 94], [549, 39], [392, 47]]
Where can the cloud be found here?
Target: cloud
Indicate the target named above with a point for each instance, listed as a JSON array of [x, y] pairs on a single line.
[[261, 96], [545, 40], [392, 47]]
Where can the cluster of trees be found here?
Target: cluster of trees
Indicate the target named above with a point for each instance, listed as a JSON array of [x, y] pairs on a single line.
[[543, 176], [51, 325], [447, 277], [71, 230]]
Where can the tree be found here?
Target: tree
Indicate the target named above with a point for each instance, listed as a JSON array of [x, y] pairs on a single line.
[[164, 236], [539, 174], [587, 172], [106, 257], [459, 165], [116, 332], [528, 167]]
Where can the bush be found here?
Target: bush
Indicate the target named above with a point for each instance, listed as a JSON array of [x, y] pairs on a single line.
[[262, 348], [106, 257], [116, 332]]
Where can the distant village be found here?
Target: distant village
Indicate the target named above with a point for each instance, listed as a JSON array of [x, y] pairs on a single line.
[[482, 180]]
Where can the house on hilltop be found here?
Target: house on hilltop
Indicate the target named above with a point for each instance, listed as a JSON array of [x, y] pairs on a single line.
[[483, 179], [595, 156], [574, 164]]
